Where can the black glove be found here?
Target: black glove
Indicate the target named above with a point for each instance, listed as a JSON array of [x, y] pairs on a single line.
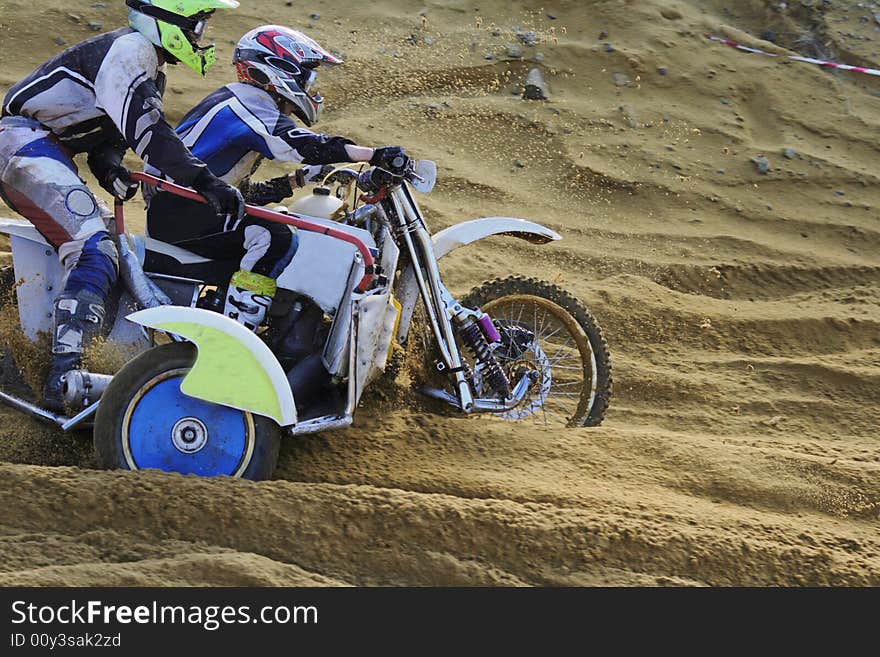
[[118, 182], [314, 173], [225, 199], [390, 158]]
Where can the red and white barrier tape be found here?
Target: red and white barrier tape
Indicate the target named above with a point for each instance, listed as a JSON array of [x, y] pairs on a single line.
[[796, 58]]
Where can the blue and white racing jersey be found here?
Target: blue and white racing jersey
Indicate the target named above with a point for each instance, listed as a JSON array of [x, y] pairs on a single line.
[[233, 129]]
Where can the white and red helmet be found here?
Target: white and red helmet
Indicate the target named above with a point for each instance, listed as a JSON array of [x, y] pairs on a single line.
[[283, 62]]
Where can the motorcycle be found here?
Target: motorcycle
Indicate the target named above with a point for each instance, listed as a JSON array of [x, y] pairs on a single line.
[[207, 396]]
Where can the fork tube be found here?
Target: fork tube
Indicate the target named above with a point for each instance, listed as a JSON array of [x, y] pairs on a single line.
[[427, 246], [423, 289], [440, 323]]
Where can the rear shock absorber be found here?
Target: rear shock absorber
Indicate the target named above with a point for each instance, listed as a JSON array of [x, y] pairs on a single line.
[[472, 335]]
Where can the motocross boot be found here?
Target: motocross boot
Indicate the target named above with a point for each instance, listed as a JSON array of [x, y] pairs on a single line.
[[78, 319], [249, 297]]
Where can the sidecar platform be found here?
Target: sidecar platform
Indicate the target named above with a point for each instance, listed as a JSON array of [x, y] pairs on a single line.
[[320, 269]]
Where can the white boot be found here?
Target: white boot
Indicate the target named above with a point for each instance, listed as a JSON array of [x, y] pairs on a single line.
[[248, 298]]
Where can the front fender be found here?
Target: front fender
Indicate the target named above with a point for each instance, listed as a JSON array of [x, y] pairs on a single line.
[[467, 232], [233, 367]]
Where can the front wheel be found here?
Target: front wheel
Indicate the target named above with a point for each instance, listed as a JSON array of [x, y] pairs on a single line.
[[145, 421], [546, 330]]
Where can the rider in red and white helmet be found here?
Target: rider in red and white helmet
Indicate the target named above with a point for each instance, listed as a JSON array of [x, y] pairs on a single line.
[[232, 130], [283, 62]]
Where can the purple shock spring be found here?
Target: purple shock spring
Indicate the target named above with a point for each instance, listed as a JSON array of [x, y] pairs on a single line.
[[489, 329], [472, 335]]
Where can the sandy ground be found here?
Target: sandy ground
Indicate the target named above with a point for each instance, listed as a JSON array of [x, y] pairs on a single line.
[[742, 310]]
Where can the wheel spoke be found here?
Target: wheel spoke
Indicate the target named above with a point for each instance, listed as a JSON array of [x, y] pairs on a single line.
[[560, 352], [546, 338], [555, 358], [568, 367], [540, 330]]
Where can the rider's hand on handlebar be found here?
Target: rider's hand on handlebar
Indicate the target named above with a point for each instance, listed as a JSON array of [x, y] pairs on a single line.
[[310, 173], [118, 182], [390, 158], [296, 179], [225, 199]]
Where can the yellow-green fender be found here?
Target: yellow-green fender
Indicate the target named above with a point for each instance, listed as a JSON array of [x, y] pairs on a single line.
[[233, 366]]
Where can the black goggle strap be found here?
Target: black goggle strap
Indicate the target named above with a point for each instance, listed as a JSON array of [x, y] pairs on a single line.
[[185, 23]]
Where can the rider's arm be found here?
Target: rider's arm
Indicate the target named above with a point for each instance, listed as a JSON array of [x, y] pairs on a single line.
[[287, 142], [300, 145], [126, 89], [280, 188], [359, 153], [269, 191], [294, 144]]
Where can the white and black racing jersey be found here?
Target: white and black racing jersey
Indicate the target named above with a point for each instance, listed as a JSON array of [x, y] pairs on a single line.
[[233, 129], [105, 95]]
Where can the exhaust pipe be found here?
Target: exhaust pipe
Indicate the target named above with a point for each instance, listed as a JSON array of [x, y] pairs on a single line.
[[82, 388]]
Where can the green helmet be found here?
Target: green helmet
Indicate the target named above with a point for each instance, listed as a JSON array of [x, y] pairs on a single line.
[[176, 26]]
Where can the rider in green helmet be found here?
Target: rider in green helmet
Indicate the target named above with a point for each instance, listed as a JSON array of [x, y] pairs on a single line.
[[177, 26], [100, 97]]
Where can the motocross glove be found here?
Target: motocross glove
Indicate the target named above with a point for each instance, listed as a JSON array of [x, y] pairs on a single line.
[[314, 173], [297, 179], [225, 199], [118, 182], [390, 158], [305, 175]]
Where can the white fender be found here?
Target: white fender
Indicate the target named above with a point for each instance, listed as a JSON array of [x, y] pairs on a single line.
[[467, 232], [233, 367]]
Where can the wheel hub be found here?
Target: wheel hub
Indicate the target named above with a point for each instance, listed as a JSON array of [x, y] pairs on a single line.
[[189, 435]]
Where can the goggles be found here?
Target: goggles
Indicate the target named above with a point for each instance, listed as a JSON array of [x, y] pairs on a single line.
[[199, 30], [303, 75], [194, 25]]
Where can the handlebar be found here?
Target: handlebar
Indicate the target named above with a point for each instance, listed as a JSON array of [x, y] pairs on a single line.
[[373, 179], [277, 217]]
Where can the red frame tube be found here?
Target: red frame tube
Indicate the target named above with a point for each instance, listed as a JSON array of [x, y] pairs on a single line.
[[269, 215]]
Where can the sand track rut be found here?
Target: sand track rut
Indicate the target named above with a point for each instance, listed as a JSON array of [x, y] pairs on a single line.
[[436, 536]]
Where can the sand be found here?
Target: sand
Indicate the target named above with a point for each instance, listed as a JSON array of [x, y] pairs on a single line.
[[742, 310]]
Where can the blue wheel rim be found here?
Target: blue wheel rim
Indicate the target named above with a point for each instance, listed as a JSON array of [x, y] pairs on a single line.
[[167, 430]]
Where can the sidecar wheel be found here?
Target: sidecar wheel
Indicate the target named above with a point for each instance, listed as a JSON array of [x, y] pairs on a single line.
[[145, 421]]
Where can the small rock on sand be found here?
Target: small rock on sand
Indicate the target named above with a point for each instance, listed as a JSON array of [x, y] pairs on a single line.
[[535, 87], [762, 164]]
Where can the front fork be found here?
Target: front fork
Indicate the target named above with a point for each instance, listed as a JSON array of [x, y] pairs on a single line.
[[475, 327]]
